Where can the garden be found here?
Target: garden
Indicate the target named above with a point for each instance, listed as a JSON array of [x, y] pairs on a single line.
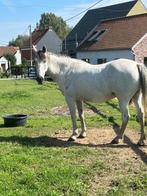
[[36, 159]]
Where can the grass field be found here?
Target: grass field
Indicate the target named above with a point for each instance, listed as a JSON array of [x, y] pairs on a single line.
[[36, 160]]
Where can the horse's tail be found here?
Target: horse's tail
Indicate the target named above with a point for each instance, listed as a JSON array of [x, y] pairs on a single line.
[[143, 85]]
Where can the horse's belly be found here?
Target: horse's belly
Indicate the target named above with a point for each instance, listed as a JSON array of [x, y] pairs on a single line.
[[94, 96]]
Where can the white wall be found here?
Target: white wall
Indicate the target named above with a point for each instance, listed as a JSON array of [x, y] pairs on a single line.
[[108, 54], [3, 60], [52, 42]]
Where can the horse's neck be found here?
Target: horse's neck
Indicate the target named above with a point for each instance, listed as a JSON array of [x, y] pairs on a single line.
[[56, 66]]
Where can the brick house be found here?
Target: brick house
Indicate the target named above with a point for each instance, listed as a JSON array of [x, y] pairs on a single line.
[[93, 18], [124, 37], [46, 37], [4, 64]]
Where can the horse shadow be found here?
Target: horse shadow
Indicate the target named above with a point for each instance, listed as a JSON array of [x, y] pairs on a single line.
[[49, 142], [61, 142]]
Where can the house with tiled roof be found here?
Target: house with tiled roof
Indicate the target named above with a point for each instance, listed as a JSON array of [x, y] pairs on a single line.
[[94, 17], [41, 37], [124, 37], [4, 50]]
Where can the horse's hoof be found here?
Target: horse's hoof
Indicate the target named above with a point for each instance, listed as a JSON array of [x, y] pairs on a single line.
[[141, 143], [81, 136], [114, 141], [71, 139]]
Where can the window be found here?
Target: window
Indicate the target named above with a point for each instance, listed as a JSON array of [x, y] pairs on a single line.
[[102, 60], [3, 66], [145, 61], [72, 53], [96, 35], [87, 60]]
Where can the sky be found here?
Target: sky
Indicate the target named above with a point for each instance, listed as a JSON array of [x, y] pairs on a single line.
[[17, 15]]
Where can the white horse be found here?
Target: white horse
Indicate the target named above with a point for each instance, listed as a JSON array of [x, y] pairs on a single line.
[[80, 81]]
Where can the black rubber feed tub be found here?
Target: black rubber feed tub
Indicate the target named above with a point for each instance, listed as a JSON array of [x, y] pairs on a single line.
[[15, 120]]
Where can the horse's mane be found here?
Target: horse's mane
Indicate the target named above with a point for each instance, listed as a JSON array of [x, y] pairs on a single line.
[[68, 61]]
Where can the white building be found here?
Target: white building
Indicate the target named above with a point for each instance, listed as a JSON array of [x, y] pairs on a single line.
[[40, 38], [124, 37], [4, 64], [93, 17]]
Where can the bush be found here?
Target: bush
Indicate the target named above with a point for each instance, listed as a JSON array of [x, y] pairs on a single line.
[[25, 63], [6, 74], [18, 70]]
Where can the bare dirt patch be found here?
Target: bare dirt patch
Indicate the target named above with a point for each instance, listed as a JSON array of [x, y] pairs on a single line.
[[97, 137], [64, 111], [127, 150], [103, 137], [123, 159]]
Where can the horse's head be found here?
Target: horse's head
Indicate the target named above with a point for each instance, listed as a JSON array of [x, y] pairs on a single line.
[[40, 60]]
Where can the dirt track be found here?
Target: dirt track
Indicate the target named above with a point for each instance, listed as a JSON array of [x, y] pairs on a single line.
[[101, 138]]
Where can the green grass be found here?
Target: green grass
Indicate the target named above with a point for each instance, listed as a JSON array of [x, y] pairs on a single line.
[[34, 162]]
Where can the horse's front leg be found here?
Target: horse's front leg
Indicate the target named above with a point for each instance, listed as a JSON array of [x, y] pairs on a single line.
[[81, 116], [71, 104]]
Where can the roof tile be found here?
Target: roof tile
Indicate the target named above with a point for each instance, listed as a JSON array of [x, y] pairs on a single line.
[[8, 50], [36, 36], [94, 16], [121, 33]]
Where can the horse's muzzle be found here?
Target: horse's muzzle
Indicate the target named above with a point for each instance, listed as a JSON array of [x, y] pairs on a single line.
[[39, 80]]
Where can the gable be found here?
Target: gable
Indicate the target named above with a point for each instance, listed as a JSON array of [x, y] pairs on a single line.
[[3, 59], [37, 35], [51, 41], [50, 35], [138, 8]]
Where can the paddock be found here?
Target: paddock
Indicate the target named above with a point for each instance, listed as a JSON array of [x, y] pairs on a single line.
[[43, 161]]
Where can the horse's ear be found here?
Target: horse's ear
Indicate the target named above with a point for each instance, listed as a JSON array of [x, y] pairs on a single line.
[[44, 49], [34, 51], [34, 48]]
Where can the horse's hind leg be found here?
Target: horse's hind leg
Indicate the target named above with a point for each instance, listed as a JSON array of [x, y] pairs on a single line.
[[140, 116], [81, 116], [125, 117]]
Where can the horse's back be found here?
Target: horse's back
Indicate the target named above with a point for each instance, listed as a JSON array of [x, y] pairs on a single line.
[[101, 82]]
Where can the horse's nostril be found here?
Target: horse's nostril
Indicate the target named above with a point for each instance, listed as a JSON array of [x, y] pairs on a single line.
[[39, 80]]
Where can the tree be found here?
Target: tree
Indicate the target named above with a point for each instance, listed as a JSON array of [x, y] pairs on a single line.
[[47, 20], [19, 41], [57, 23], [11, 59]]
